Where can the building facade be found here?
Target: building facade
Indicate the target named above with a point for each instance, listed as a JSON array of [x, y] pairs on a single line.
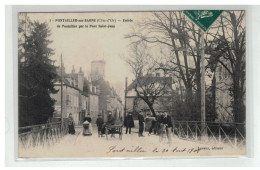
[[83, 97], [93, 105], [74, 100]]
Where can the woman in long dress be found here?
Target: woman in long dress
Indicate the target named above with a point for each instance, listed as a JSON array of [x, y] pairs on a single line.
[[87, 130]]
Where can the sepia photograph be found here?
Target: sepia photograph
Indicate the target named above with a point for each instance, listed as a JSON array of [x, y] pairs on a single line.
[[132, 84]]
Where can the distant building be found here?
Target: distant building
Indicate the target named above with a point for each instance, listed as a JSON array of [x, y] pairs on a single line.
[[93, 103], [114, 105], [82, 96], [83, 106], [108, 99], [97, 70]]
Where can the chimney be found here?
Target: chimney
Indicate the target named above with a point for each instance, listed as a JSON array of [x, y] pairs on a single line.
[[90, 88], [94, 89], [80, 70], [73, 69]]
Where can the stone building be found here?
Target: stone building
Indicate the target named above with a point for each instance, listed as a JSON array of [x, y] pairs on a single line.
[[108, 99], [77, 79], [74, 100], [114, 105], [83, 106], [93, 103], [97, 70]]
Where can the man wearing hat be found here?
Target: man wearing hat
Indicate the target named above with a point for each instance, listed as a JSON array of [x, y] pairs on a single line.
[[166, 124], [100, 125], [129, 122], [141, 124]]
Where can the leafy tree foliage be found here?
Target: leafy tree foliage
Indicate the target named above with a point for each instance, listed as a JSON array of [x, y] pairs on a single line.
[[36, 75]]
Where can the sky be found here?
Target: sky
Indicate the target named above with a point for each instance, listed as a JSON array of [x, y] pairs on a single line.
[[80, 46]]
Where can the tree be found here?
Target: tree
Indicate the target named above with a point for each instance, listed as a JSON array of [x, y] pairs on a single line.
[[147, 87], [230, 53], [173, 30], [36, 75]]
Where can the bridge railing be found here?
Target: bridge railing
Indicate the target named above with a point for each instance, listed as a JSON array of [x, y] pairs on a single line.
[[231, 133], [43, 134]]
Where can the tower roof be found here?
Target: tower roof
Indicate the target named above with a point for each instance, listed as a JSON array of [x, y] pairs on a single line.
[[73, 69], [98, 61]]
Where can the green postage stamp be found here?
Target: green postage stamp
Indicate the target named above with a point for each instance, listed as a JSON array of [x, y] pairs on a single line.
[[203, 18]]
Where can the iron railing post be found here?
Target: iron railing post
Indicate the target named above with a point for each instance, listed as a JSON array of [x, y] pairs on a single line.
[[235, 138], [219, 133], [196, 131], [187, 135]]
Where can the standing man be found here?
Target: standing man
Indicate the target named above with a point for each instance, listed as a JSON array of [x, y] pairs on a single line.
[[71, 124], [129, 123], [141, 124], [154, 126], [158, 123], [111, 121], [100, 125], [166, 126]]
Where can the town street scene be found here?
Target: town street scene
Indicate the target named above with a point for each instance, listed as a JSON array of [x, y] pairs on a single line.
[[131, 84]]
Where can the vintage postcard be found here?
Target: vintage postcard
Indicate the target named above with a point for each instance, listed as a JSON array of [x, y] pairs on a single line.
[[132, 84]]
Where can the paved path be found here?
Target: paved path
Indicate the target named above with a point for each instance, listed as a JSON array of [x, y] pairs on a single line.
[[79, 146]]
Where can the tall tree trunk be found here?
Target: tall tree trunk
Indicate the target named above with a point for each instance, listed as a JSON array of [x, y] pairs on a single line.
[[211, 113], [238, 105], [198, 91], [188, 101], [150, 105]]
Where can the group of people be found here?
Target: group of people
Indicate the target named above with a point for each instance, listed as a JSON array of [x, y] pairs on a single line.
[[161, 124], [87, 130], [129, 123], [102, 125], [86, 124]]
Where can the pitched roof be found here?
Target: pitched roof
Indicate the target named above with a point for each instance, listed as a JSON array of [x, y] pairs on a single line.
[[65, 82], [146, 80]]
